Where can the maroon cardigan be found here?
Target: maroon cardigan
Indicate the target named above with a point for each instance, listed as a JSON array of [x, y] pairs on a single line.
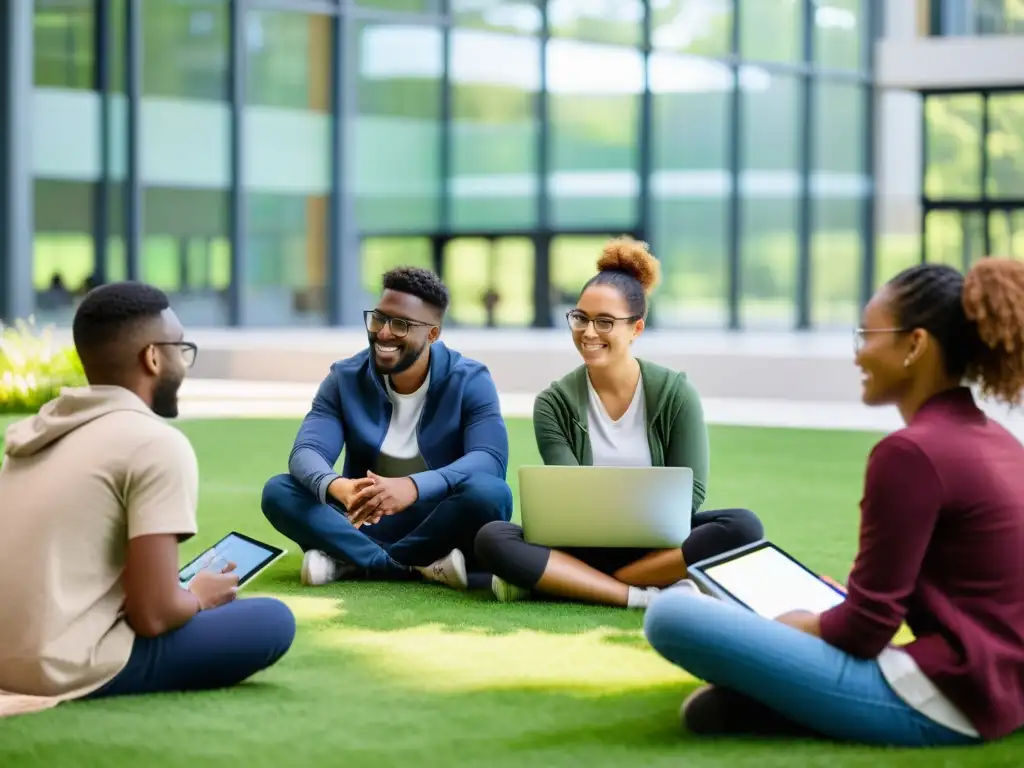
[[942, 548]]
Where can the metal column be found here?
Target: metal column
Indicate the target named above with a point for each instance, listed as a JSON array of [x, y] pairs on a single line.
[[16, 192]]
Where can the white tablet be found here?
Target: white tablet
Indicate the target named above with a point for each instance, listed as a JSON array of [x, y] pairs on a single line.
[[249, 556], [766, 580]]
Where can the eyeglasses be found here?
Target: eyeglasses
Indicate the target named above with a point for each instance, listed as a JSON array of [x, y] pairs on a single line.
[[860, 333], [578, 321], [399, 326], [189, 350]]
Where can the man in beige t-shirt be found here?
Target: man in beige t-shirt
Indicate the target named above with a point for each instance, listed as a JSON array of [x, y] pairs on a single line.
[[97, 491]]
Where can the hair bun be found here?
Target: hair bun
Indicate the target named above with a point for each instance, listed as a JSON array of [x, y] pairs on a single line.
[[624, 254]]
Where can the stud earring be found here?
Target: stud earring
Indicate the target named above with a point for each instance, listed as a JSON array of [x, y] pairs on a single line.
[[906, 363]]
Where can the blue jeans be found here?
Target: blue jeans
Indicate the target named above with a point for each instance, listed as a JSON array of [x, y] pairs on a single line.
[[217, 648], [799, 676], [422, 534]]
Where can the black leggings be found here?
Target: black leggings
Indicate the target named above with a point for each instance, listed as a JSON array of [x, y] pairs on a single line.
[[501, 548]]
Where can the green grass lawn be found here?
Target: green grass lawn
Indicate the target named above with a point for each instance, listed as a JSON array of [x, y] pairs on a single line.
[[418, 675]]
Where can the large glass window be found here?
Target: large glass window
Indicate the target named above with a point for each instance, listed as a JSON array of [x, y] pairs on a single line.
[[838, 189], [955, 238], [414, 6], [185, 50], [185, 157], [974, 175], [770, 30], [287, 167], [66, 160], [1004, 146], [380, 254], [980, 17], [490, 279], [770, 186], [700, 27], [523, 17], [63, 43], [395, 168], [1006, 232], [494, 131], [690, 187], [573, 263], [594, 110], [606, 21], [953, 127], [839, 33]]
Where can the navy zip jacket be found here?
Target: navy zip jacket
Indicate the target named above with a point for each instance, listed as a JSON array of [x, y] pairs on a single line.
[[461, 431]]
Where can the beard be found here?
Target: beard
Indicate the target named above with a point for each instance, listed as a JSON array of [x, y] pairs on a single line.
[[406, 357], [165, 397]]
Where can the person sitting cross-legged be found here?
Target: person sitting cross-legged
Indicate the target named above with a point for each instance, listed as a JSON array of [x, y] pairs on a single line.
[[426, 452], [96, 492], [941, 549], [616, 410]]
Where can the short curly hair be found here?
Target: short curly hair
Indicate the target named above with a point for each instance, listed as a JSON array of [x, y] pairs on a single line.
[[421, 283], [977, 319], [111, 311]]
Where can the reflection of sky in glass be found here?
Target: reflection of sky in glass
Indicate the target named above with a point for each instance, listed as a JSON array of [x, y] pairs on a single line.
[[574, 66]]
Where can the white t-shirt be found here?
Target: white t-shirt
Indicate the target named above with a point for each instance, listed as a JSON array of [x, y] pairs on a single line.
[[622, 442], [400, 451]]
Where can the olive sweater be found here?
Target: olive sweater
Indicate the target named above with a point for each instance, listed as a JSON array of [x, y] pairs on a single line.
[[676, 432]]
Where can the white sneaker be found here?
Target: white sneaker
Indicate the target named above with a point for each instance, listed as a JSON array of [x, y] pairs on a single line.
[[319, 569], [450, 571], [507, 593]]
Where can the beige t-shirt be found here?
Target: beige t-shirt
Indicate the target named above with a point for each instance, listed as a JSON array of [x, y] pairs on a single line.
[[95, 468]]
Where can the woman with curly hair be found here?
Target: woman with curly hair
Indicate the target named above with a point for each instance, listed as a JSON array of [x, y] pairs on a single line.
[[941, 548], [615, 410]]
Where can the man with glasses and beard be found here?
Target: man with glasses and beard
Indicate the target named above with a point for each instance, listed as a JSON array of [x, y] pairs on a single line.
[[97, 492], [426, 452]]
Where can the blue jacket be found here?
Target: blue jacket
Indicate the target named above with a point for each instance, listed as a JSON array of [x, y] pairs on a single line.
[[461, 431]]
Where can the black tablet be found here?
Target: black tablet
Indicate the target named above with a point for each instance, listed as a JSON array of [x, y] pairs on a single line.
[[765, 579], [249, 556]]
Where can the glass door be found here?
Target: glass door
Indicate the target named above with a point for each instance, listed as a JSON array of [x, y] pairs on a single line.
[[490, 278]]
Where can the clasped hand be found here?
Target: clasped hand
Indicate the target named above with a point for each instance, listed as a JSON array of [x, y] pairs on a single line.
[[367, 499]]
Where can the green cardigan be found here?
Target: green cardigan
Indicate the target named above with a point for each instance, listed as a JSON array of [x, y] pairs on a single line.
[[676, 432]]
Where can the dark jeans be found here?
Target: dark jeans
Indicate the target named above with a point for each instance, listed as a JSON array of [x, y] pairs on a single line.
[[502, 549], [217, 648], [416, 537]]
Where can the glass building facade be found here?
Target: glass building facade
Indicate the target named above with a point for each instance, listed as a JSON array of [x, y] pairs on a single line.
[[264, 161]]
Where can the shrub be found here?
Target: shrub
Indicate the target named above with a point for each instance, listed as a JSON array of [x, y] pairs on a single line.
[[34, 368]]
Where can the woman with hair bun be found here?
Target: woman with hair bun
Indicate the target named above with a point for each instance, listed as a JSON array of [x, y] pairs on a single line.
[[941, 548], [615, 410]]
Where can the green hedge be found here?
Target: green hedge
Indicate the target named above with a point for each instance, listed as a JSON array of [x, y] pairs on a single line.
[[34, 368]]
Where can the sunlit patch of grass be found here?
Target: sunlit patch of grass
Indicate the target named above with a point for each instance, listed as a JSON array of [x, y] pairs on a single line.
[[310, 610], [437, 659]]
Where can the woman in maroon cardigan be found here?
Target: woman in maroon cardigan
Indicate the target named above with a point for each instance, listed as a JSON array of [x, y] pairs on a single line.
[[941, 548]]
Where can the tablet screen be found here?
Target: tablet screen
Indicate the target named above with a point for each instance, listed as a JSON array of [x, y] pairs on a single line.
[[770, 583], [247, 554]]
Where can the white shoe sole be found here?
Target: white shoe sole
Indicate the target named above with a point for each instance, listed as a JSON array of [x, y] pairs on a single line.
[[458, 562]]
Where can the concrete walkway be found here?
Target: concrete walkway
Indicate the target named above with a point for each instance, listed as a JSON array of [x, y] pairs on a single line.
[[213, 398]]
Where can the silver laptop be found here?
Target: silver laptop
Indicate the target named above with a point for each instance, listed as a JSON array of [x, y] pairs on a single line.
[[642, 507]]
